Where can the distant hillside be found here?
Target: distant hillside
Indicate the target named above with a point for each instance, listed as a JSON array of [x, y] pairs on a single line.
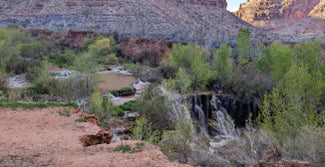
[[175, 20]]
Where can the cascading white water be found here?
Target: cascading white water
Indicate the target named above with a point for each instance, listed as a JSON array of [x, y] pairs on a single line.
[[226, 125]]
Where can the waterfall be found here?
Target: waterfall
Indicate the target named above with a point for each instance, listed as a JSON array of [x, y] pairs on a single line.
[[212, 116], [202, 119], [226, 125]]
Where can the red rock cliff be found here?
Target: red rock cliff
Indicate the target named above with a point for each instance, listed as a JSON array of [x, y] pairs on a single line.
[[255, 10], [319, 10]]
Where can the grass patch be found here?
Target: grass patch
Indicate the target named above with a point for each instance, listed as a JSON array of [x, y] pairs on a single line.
[[128, 148], [35, 105], [81, 119], [114, 92], [64, 112], [125, 89], [128, 105]]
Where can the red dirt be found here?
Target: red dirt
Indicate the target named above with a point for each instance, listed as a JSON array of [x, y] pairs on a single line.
[[42, 137]]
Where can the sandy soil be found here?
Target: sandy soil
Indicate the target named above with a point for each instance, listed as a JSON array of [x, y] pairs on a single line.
[[42, 137]]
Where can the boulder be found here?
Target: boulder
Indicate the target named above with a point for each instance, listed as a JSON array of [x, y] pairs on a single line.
[[103, 136]]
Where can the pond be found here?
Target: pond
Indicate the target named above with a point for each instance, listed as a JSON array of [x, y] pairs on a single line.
[[114, 81]]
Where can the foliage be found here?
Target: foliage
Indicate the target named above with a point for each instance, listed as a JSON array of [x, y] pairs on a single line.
[[64, 112], [176, 143], [128, 105], [87, 65], [296, 103], [35, 105], [223, 61], [243, 45], [276, 60], [62, 60], [142, 130], [182, 82], [118, 111], [128, 148], [125, 89], [192, 61], [81, 119], [102, 108], [134, 68], [155, 107]]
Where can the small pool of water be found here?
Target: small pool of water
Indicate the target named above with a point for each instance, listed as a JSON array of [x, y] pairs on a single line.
[[115, 81]]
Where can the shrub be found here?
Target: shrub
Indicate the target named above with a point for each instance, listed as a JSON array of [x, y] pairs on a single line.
[[176, 143], [118, 111], [155, 106], [81, 119], [128, 105], [102, 108], [64, 112], [134, 68], [142, 130], [125, 89], [123, 148], [128, 148]]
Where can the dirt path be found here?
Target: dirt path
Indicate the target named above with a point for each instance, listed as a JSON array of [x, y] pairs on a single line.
[[42, 137]]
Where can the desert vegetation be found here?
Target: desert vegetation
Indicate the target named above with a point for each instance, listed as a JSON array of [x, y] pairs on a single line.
[[288, 82]]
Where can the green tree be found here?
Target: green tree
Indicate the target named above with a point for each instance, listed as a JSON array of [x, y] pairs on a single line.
[[155, 106], [102, 108], [223, 60], [243, 45], [87, 65], [202, 74], [276, 60], [295, 102]]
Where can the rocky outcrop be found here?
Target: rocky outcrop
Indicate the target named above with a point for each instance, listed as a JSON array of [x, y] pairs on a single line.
[[201, 21], [255, 10], [319, 10], [273, 158], [206, 3], [103, 136], [90, 118]]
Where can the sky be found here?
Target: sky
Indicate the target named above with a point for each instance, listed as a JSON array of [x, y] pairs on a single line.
[[233, 5]]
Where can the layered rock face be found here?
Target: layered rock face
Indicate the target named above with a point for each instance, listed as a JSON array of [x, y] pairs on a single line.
[[319, 10], [203, 21], [215, 3], [255, 10], [290, 21]]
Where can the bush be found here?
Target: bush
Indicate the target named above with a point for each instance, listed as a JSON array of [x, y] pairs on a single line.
[[128, 148], [125, 89], [64, 112], [81, 119], [118, 111], [61, 60], [102, 108], [128, 105], [176, 143], [134, 68], [155, 107], [142, 130]]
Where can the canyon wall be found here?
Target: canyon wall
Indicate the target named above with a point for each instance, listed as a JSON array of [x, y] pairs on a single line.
[[206, 22], [255, 10]]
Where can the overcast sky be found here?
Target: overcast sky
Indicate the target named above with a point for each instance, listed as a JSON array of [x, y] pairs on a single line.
[[233, 5]]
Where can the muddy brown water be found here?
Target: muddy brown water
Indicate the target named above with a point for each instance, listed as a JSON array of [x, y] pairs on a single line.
[[115, 81]]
